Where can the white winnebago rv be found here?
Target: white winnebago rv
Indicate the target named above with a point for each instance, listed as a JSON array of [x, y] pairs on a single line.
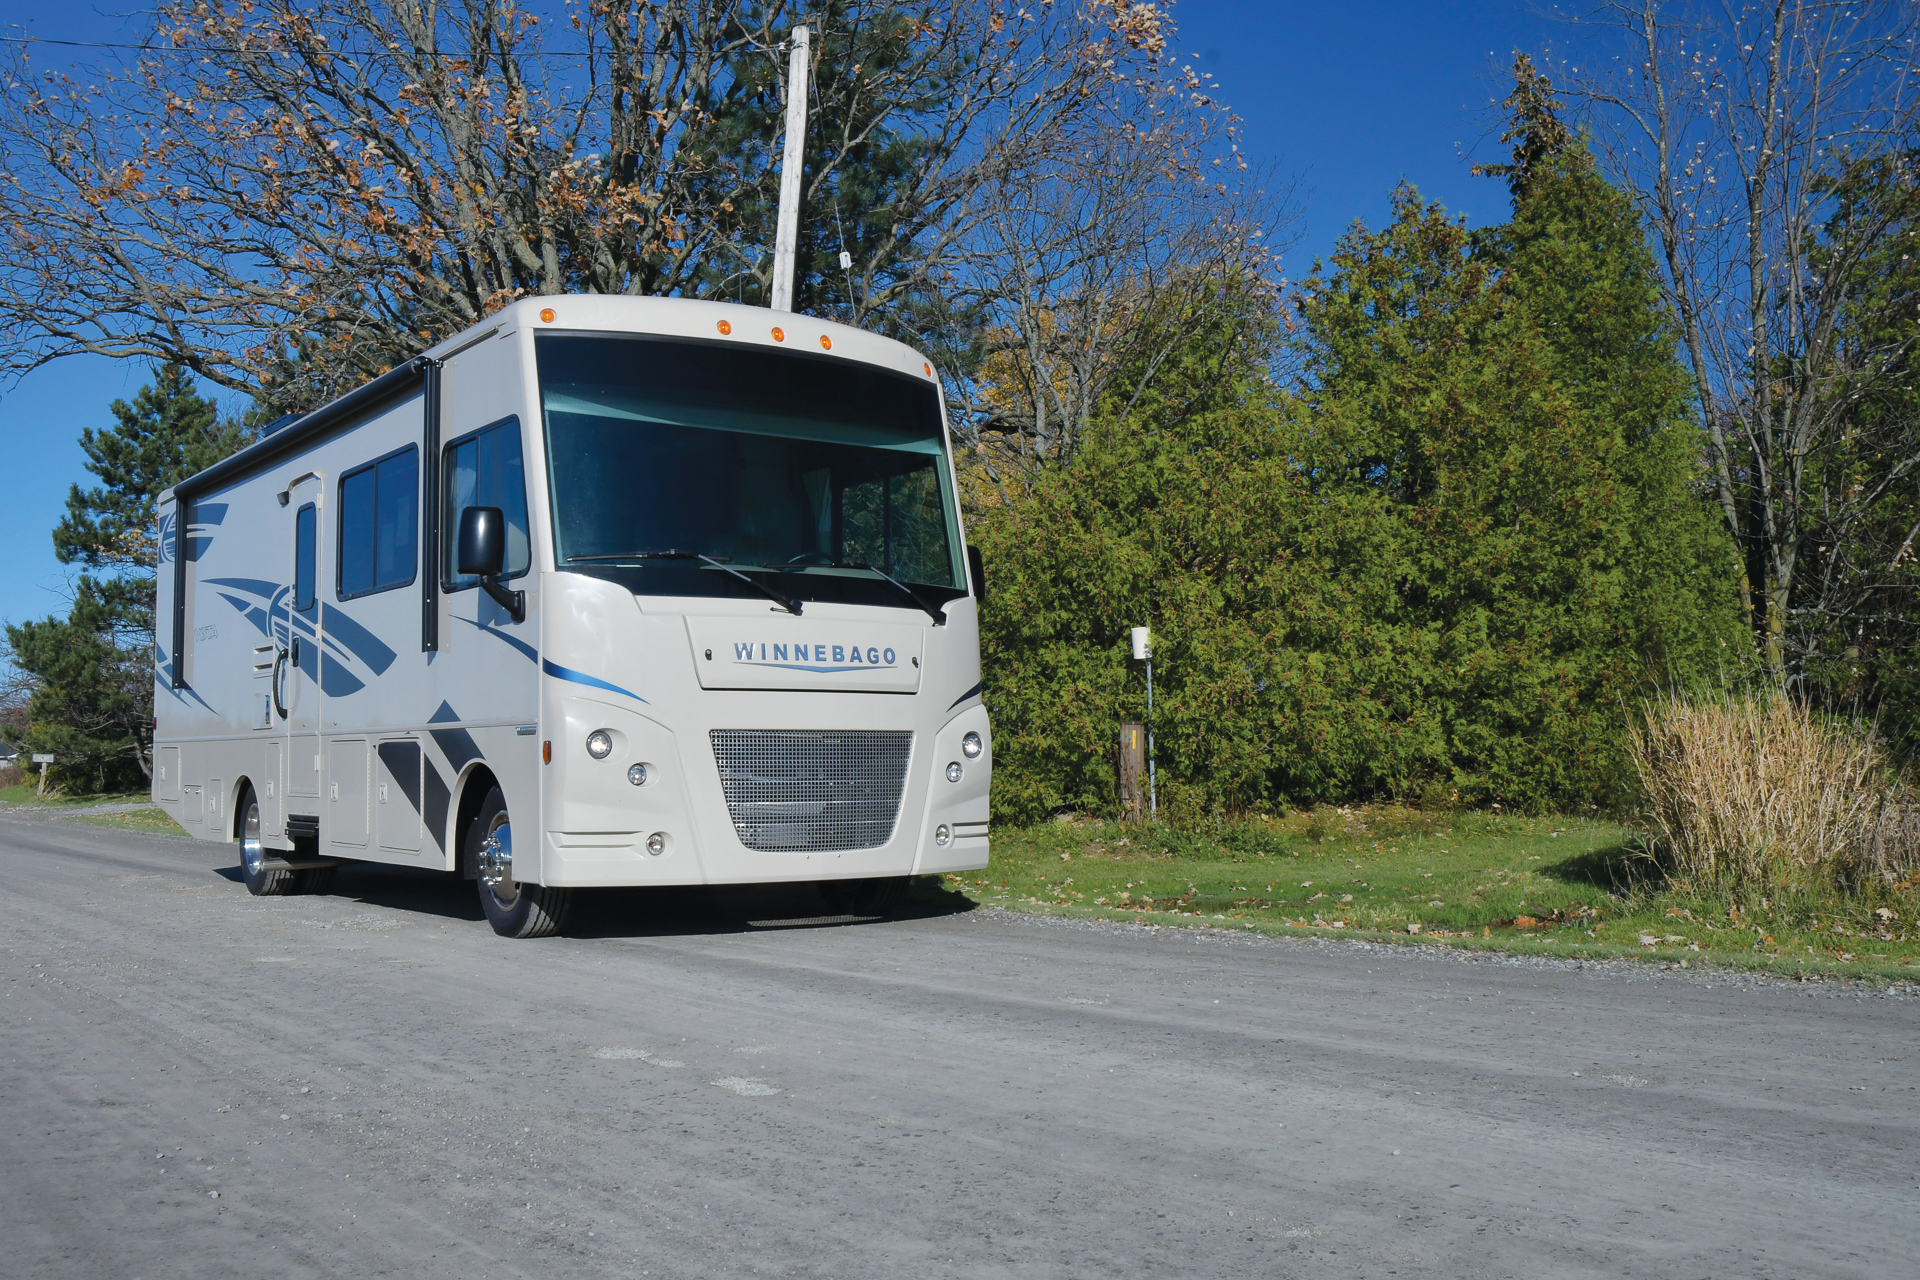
[[602, 591]]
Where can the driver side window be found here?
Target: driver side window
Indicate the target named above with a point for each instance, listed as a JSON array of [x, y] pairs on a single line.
[[484, 470]]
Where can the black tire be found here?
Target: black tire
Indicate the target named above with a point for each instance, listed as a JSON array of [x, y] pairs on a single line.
[[515, 910], [881, 896], [314, 880], [263, 881]]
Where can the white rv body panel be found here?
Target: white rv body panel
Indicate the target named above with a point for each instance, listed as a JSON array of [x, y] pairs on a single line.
[[376, 733]]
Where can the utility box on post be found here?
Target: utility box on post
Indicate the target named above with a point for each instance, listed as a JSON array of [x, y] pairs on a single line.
[[1133, 771]]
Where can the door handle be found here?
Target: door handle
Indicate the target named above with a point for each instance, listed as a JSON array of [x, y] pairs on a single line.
[[279, 665]]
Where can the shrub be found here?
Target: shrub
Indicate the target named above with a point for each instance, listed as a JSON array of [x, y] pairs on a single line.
[[1760, 792]]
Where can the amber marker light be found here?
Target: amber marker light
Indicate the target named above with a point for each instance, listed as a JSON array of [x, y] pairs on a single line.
[[826, 343], [779, 334], [546, 315], [724, 328], [546, 752], [928, 368]]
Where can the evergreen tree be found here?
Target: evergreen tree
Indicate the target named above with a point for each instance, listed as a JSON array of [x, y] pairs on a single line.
[[92, 708], [1445, 564], [1518, 397], [1182, 524]]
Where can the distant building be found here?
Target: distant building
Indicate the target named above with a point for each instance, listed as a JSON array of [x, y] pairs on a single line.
[[9, 755]]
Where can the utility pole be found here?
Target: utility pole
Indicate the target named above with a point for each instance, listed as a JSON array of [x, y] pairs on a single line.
[[786, 238]]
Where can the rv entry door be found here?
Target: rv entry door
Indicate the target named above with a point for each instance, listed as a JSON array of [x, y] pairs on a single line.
[[298, 680]]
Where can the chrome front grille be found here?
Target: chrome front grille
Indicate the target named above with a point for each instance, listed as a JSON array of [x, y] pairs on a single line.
[[802, 790]]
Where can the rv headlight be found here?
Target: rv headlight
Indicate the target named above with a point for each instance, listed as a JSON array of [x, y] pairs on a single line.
[[637, 775], [954, 771], [971, 746], [941, 835], [599, 744]]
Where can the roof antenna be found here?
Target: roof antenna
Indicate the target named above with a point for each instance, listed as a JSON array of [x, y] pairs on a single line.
[[787, 235]]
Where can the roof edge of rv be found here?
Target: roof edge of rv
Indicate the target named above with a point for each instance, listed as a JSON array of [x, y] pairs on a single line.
[[292, 437]]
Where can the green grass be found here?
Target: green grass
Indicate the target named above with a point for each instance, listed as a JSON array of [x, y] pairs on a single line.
[[153, 821], [1554, 886], [22, 794]]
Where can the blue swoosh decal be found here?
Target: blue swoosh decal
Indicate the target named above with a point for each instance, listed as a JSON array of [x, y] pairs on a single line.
[[359, 641], [163, 672], [257, 586], [455, 743], [250, 611], [335, 680], [968, 694], [521, 645], [580, 677]]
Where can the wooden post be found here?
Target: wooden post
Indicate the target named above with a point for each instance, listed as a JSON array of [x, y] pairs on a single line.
[[1133, 771]]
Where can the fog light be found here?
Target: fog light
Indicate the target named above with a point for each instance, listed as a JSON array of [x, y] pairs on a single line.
[[971, 746], [954, 771], [657, 843], [941, 835], [599, 744], [637, 775]]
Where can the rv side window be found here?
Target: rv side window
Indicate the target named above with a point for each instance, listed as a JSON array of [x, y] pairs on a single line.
[[305, 544], [378, 524], [483, 470]]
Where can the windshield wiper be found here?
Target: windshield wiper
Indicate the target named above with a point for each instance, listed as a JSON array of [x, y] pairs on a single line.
[[937, 613], [785, 601]]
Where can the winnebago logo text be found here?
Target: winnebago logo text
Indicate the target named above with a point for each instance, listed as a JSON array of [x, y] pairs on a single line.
[[813, 657]]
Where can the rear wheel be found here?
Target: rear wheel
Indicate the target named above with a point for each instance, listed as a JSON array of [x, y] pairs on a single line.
[[881, 896], [514, 909], [263, 881]]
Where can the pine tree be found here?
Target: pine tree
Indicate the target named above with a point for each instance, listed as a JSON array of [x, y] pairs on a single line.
[[1515, 397], [92, 708]]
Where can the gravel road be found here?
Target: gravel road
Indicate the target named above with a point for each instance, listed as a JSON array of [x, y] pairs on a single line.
[[200, 1083]]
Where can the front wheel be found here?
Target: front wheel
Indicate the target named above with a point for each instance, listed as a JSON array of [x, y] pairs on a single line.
[[262, 881], [515, 910]]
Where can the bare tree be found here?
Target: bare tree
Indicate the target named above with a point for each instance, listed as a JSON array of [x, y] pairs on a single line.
[[1071, 262], [291, 194], [1741, 128]]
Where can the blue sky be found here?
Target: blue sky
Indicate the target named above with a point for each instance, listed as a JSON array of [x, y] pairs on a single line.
[[1348, 98]]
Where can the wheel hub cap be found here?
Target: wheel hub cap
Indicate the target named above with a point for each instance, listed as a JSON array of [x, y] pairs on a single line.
[[252, 854], [496, 864]]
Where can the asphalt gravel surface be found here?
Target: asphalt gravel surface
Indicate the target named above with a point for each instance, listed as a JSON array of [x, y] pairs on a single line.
[[194, 1082]]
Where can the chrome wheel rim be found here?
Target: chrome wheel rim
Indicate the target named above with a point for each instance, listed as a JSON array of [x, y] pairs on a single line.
[[252, 853], [496, 864]]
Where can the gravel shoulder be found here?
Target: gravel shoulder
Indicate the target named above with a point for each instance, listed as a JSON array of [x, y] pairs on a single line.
[[373, 1083]]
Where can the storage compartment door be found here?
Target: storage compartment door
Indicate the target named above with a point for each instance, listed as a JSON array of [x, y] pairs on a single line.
[[396, 795], [166, 774], [347, 792], [269, 793]]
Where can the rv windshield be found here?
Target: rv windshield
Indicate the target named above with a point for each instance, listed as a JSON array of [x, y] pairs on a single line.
[[798, 469]]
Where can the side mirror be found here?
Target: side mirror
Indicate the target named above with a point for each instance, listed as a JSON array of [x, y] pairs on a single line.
[[483, 554], [483, 542], [977, 570]]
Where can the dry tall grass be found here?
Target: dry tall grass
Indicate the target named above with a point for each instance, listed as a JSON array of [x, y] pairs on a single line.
[[1762, 792]]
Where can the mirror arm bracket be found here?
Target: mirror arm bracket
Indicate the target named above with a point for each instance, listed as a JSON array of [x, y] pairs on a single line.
[[514, 602]]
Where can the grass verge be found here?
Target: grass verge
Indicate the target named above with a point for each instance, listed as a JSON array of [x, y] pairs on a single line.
[[22, 796], [153, 821], [1539, 886]]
